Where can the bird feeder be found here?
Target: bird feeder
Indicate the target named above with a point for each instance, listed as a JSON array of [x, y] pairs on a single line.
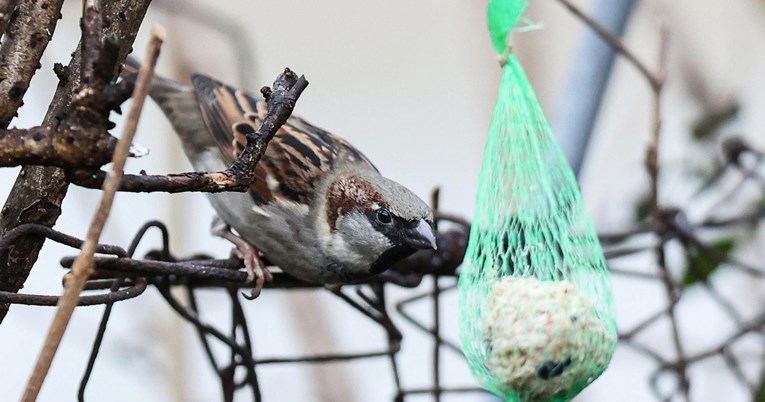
[[536, 316]]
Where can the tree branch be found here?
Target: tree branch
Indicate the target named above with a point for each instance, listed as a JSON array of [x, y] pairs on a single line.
[[653, 79], [83, 265], [24, 42], [38, 192], [7, 7], [63, 148], [280, 103]]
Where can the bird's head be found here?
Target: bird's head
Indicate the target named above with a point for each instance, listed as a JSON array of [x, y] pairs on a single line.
[[373, 222]]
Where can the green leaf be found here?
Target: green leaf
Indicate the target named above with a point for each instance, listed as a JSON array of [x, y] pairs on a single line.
[[701, 265], [760, 397], [643, 208], [710, 123]]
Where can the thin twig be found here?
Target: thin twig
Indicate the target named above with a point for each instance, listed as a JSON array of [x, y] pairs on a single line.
[[436, 299], [754, 324], [654, 80], [631, 233], [280, 103], [652, 165], [634, 274], [38, 192], [214, 182], [83, 266]]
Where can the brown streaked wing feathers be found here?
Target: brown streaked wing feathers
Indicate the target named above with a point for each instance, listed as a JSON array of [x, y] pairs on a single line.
[[296, 157]]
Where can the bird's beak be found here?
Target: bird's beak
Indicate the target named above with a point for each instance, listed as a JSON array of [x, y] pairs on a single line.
[[421, 236]]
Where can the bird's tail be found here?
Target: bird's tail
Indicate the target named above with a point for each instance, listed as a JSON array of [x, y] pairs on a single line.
[[177, 101], [131, 67], [160, 87]]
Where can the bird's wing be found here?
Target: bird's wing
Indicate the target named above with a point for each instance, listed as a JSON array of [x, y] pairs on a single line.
[[296, 158]]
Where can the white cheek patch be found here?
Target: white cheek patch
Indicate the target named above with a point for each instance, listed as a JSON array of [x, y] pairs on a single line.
[[355, 243], [342, 252], [338, 245]]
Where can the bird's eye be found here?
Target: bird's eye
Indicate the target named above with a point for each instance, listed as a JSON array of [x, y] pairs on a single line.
[[383, 216]]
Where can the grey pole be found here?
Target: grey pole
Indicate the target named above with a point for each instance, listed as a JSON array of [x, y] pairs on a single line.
[[578, 107]]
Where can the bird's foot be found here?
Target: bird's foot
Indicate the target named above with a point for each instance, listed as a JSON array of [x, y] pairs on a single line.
[[334, 287], [244, 250]]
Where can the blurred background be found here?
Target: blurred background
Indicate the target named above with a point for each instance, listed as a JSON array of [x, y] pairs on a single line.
[[413, 84]]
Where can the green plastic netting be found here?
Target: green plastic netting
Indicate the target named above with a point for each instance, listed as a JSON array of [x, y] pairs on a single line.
[[536, 316]]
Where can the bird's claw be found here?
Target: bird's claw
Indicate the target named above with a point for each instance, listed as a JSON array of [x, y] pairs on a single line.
[[256, 270], [334, 287]]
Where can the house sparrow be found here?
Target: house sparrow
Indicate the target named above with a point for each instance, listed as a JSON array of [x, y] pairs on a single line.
[[318, 208]]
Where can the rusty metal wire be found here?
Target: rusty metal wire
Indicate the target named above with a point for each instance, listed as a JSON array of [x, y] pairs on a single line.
[[129, 291], [126, 291], [124, 277], [674, 227], [670, 226]]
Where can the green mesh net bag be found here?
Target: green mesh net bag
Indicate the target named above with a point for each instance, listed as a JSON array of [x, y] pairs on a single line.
[[536, 317]]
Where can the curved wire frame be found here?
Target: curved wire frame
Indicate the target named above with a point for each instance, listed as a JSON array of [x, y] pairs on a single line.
[[126, 277]]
